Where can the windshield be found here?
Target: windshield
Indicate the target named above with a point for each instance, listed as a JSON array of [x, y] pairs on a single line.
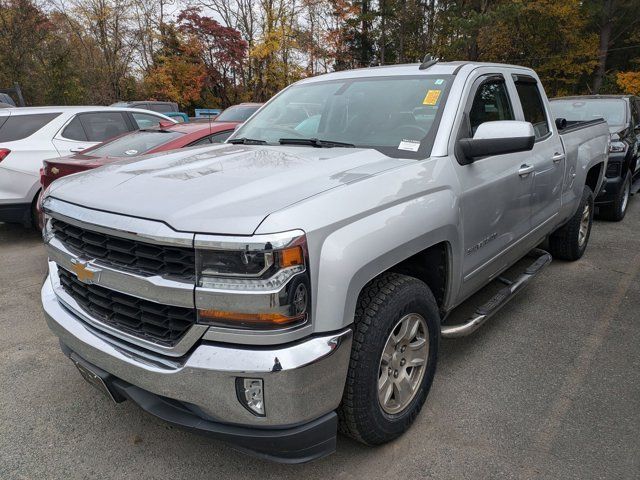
[[612, 110], [237, 114], [395, 115], [135, 143]]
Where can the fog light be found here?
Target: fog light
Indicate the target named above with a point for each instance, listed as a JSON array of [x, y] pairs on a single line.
[[251, 394]]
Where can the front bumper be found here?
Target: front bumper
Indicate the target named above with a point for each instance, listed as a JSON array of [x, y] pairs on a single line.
[[303, 384], [610, 190]]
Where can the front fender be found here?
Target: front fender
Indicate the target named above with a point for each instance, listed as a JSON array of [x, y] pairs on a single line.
[[358, 252]]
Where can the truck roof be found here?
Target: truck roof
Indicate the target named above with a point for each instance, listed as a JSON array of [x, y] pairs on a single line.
[[593, 97], [440, 68]]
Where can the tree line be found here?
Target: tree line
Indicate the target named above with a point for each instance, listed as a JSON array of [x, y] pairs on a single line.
[[214, 53]]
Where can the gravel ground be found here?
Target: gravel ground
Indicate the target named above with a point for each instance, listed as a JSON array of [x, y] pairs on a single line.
[[549, 388]]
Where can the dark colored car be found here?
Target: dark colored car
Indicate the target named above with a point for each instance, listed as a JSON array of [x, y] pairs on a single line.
[[238, 113], [622, 113]]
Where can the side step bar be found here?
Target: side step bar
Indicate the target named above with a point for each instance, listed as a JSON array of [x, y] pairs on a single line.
[[486, 311]]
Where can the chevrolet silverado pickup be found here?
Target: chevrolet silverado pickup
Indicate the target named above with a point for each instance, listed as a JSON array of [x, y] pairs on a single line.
[[296, 281]]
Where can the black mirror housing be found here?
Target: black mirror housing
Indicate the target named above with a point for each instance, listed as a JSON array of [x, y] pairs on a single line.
[[473, 149]]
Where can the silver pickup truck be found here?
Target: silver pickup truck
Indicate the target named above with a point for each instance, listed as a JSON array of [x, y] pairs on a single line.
[[297, 280]]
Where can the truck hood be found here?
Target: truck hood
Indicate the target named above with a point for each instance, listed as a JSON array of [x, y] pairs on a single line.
[[226, 189]]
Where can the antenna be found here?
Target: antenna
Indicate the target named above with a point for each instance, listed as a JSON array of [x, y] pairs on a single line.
[[428, 62]]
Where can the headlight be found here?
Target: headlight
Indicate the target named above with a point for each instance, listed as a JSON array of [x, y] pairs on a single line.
[[617, 147], [47, 231], [258, 283]]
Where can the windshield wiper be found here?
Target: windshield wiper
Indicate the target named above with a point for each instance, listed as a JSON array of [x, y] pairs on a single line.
[[314, 142], [246, 141]]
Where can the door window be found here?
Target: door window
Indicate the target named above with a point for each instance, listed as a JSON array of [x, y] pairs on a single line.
[[74, 130], [532, 105], [219, 137], [144, 120], [491, 103], [101, 126]]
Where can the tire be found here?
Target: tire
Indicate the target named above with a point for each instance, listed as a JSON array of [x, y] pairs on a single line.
[[616, 211], [569, 242], [383, 304]]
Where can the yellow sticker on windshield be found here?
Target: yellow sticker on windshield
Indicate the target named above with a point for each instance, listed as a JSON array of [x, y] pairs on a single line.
[[432, 97]]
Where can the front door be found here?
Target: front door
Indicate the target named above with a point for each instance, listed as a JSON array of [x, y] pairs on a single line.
[[496, 195]]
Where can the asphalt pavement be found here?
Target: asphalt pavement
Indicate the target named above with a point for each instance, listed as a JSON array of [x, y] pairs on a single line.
[[549, 388]]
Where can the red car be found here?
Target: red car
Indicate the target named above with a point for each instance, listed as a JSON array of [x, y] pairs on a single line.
[[164, 137], [167, 136]]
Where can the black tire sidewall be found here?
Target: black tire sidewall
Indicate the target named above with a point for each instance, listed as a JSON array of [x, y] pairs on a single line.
[[410, 298], [619, 214], [587, 197]]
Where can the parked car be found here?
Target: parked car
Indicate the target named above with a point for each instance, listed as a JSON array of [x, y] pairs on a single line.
[[31, 134], [250, 290], [153, 105], [179, 117], [238, 113], [141, 142], [622, 113]]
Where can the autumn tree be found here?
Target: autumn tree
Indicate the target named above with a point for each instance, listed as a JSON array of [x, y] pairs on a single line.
[[222, 50]]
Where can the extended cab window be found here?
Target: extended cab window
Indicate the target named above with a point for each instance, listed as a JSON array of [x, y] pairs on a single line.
[[490, 103], [532, 105]]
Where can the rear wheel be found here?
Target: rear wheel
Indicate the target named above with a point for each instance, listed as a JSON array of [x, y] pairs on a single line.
[[393, 359], [570, 241], [618, 209]]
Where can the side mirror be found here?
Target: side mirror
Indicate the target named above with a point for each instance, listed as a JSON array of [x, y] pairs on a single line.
[[561, 123], [498, 138]]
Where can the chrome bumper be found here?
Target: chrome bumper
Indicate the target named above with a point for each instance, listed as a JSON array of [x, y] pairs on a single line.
[[302, 381]]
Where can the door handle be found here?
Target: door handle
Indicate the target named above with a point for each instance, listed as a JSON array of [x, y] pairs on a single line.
[[557, 157], [525, 170], [77, 149]]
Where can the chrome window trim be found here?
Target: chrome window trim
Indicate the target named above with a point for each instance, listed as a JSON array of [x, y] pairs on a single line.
[[153, 288], [179, 349], [118, 225]]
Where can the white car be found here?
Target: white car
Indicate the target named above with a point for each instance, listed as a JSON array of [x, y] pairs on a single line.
[[33, 134]]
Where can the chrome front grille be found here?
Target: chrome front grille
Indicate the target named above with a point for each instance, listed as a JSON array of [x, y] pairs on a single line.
[[128, 255], [163, 324]]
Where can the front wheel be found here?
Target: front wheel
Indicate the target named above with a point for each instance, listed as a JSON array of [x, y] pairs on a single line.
[[570, 241], [393, 358]]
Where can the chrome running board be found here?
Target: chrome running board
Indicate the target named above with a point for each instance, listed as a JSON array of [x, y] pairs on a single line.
[[486, 311]]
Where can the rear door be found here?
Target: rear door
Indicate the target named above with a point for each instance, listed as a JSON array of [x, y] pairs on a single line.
[[547, 157], [495, 199], [87, 129]]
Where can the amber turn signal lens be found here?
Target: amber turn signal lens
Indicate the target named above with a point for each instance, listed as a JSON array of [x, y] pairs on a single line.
[[255, 318], [290, 257]]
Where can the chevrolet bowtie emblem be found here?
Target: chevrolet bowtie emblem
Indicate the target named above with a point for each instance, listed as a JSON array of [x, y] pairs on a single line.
[[55, 170], [85, 272]]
